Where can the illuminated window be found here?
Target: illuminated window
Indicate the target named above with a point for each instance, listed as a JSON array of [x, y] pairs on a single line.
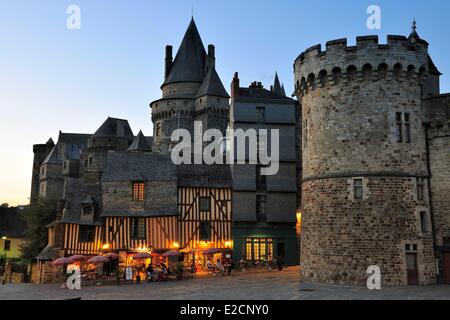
[[137, 227], [259, 249], [138, 191]]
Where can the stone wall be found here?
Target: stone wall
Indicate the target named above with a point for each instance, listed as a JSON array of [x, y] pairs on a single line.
[[350, 97], [341, 237]]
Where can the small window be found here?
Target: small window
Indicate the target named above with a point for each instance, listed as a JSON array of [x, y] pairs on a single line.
[[205, 231], [403, 127], [7, 245], [260, 114], [138, 191], [86, 234], [261, 208], [358, 188], [137, 229], [205, 204], [424, 221], [158, 129], [87, 210], [420, 189]]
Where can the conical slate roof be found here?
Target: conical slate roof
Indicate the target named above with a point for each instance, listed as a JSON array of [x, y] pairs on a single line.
[[139, 144], [190, 61], [283, 92], [212, 85], [113, 127], [277, 86], [52, 157]]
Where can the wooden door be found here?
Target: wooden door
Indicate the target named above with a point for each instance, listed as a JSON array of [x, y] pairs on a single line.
[[411, 267], [446, 267]]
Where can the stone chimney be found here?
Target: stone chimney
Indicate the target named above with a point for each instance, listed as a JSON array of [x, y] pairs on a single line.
[[235, 85], [169, 61]]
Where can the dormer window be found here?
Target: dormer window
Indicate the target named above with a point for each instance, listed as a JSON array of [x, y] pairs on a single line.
[[87, 210]]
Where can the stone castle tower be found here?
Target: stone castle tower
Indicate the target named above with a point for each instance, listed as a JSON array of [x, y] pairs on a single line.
[[365, 176], [192, 91]]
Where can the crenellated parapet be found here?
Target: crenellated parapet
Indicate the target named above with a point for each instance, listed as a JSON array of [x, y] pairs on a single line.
[[401, 59]]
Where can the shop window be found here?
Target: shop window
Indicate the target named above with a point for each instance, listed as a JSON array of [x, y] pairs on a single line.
[[258, 249]]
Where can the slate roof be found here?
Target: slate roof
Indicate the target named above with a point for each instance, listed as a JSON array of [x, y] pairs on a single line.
[[11, 223], [277, 86], [198, 176], [48, 253], [139, 166], [212, 85], [432, 67], [260, 94], [139, 144], [52, 157], [190, 61], [114, 127], [76, 194]]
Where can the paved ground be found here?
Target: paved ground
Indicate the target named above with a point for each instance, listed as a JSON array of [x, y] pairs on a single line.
[[271, 285]]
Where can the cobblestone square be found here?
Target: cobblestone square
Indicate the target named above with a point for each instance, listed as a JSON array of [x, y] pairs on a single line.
[[270, 285]]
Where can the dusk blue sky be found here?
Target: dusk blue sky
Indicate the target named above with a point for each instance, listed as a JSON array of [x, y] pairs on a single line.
[[55, 79]]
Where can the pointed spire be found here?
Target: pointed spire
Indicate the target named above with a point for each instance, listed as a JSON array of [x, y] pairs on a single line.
[[212, 85], [283, 92], [277, 86], [50, 142], [414, 36], [139, 144], [190, 61]]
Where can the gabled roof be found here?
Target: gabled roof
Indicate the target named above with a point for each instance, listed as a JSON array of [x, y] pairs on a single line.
[[52, 157], [212, 85], [190, 61], [139, 144], [88, 200], [114, 127]]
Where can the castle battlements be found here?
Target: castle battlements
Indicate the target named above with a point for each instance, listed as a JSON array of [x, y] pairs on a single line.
[[400, 58]]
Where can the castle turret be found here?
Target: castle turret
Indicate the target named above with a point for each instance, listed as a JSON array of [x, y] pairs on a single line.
[[40, 151], [364, 161], [192, 90]]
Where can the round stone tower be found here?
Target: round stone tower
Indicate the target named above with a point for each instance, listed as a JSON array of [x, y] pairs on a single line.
[[192, 91], [364, 161]]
